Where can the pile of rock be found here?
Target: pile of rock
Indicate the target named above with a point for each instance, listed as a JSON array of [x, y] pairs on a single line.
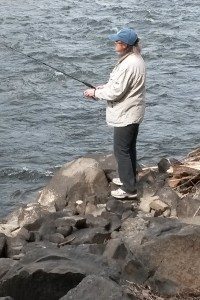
[[77, 242]]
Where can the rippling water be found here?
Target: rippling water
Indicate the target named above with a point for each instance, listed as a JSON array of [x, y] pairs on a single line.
[[44, 120]]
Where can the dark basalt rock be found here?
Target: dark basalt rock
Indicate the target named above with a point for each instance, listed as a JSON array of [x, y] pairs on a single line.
[[14, 246], [88, 236], [98, 288], [5, 265], [118, 207], [51, 273], [75, 221], [2, 245], [92, 221]]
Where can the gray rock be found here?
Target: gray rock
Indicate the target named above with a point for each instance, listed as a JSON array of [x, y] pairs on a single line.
[[6, 298], [170, 197], [118, 207], [107, 163], [115, 249], [170, 252], [6, 264], [188, 206], [92, 221], [75, 221], [88, 236], [50, 217], [135, 271], [51, 273], [96, 287], [113, 219], [55, 238], [14, 246], [65, 231], [77, 180], [165, 164], [24, 234], [48, 227], [2, 245]]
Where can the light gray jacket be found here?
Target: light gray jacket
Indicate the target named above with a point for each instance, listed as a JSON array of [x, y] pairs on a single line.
[[125, 92]]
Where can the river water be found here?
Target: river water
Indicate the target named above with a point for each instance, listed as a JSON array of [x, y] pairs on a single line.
[[44, 119]]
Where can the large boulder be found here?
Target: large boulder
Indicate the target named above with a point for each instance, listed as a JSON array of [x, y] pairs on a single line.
[[2, 245], [50, 273], [82, 179], [96, 287], [167, 250]]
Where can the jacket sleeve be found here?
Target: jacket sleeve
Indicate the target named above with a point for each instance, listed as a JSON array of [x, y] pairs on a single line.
[[116, 87]]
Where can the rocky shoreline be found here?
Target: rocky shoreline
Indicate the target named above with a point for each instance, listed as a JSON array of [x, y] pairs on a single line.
[[77, 242]]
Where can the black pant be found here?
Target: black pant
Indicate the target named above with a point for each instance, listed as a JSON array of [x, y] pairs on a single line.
[[125, 154]]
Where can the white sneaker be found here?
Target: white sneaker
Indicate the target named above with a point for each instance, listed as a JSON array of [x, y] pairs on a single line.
[[117, 181], [120, 194]]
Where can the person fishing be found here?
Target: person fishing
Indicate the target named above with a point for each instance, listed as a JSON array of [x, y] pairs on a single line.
[[125, 96]]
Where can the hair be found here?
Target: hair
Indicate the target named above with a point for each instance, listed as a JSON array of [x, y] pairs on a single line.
[[136, 48]]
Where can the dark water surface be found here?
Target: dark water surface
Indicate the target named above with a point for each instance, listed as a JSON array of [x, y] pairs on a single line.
[[44, 120]]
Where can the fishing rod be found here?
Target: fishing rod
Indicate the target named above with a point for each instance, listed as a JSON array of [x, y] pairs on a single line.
[[47, 65]]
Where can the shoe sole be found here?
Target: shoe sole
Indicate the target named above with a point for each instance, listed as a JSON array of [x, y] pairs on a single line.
[[118, 184], [125, 197]]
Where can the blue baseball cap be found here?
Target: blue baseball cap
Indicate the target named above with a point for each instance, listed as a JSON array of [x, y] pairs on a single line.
[[125, 35]]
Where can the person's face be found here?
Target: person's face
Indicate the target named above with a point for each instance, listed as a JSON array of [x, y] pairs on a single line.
[[120, 47]]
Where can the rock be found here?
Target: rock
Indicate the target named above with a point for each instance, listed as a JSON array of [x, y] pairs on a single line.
[[95, 210], [107, 163], [65, 231], [135, 271], [166, 163], [96, 249], [51, 273], [24, 234], [49, 218], [88, 236], [128, 213], [55, 238], [194, 220], [118, 207], [80, 207], [113, 219], [188, 206], [2, 245], [48, 227], [31, 212], [145, 202], [38, 245], [159, 206], [98, 288], [133, 231], [92, 221], [170, 197], [18, 256], [6, 298], [14, 246], [170, 252], [115, 249], [77, 180], [6, 264], [75, 221]]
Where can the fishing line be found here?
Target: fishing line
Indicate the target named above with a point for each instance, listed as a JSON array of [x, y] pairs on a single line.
[[49, 66]]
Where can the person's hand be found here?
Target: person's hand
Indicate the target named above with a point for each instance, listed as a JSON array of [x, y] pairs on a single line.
[[89, 93]]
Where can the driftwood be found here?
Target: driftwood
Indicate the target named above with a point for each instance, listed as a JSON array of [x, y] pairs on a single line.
[[185, 178]]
